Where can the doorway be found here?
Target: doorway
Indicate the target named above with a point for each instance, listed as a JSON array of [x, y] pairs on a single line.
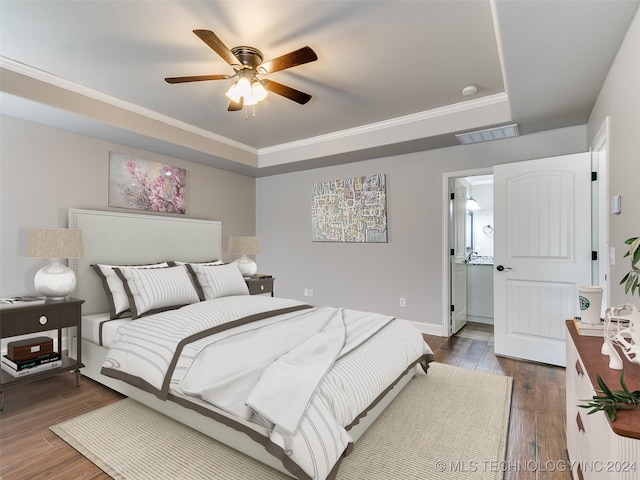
[[542, 250], [471, 251]]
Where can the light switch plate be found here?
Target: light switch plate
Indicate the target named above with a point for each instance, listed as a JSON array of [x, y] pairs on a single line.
[[616, 204]]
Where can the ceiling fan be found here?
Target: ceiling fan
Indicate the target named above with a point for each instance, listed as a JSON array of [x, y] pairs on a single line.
[[247, 63]]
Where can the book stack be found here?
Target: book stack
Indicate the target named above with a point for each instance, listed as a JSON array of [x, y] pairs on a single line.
[[589, 329], [30, 356]]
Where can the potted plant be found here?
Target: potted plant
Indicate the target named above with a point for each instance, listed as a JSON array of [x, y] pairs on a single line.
[[631, 280]]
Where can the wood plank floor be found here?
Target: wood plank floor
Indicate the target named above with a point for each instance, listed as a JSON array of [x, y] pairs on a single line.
[[536, 445]]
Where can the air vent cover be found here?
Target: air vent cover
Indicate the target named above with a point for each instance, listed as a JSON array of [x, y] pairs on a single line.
[[488, 134]]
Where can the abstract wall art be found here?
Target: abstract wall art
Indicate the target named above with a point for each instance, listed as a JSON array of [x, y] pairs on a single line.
[[144, 185], [350, 210]]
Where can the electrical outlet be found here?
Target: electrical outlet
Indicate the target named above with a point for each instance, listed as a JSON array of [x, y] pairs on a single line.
[[306, 292], [403, 302], [311, 292]]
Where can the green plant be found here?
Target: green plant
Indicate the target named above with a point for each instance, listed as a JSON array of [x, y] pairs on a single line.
[[631, 280], [612, 400]]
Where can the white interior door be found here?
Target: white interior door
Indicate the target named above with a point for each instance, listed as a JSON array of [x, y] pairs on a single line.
[[542, 253], [458, 264]]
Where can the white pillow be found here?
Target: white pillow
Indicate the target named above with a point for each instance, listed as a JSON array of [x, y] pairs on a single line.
[[114, 288], [154, 290], [212, 262], [215, 281]]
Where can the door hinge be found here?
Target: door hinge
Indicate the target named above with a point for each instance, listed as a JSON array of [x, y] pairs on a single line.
[[452, 252], [453, 196], [594, 255], [594, 176], [453, 308]]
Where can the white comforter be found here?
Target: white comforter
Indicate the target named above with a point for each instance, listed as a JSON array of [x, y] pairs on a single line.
[[300, 374]]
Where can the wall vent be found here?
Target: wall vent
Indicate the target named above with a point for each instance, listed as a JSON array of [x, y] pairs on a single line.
[[489, 134]]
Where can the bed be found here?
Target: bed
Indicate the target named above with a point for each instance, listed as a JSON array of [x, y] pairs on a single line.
[[289, 384]]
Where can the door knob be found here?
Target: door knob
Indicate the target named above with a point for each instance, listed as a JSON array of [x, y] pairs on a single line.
[[500, 268]]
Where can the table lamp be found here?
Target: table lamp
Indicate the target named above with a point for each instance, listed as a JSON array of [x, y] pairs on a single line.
[[245, 246], [55, 281]]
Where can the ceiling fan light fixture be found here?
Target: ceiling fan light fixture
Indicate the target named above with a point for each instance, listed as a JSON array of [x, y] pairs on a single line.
[[247, 62], [243, 87], [248, 101], [232, 94], [258, 91], [251, 92]]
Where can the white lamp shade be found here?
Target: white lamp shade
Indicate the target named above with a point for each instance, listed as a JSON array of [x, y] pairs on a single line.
[[243, 86], [244, 245], [232, 94], [54, 243]]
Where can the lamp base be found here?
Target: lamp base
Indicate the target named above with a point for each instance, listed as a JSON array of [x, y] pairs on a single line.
[[246, 266], [55, 281]]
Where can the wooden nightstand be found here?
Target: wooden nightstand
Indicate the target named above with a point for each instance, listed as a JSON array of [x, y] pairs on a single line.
[[25, 318], [258, 286]]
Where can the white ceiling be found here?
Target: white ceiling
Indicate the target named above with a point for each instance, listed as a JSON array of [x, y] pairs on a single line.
[[388, 78]]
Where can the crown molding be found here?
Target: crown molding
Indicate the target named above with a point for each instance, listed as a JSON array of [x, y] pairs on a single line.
[[403, 121], [412, 120], [56, 81]]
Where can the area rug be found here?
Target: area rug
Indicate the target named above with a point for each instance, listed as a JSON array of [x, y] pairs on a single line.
[[449, 424]]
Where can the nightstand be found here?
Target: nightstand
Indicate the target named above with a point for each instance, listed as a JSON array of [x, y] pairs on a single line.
[[258, 285], [25, 318]]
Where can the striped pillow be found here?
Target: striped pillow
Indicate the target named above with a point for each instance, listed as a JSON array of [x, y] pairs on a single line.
[[212, 262], [114, 288], [218, 281], [158, 289]]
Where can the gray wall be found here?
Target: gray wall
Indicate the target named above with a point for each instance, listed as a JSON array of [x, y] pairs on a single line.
[[45, 171], [375, 276], [620, 101]]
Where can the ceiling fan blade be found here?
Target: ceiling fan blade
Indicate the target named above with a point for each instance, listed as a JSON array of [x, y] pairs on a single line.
[[235, 106], [217, 45], [288, 92], [292, 59], [196, 78]]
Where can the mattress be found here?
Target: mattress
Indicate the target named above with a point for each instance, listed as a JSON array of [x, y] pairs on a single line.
[[98, 328]]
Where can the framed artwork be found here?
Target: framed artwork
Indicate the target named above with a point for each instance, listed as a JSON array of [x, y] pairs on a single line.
[[350, 210], [144, 185]]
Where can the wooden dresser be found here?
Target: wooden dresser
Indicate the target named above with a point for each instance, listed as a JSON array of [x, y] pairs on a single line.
[[599, 448]]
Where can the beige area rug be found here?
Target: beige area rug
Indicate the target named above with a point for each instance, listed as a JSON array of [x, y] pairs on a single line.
[[449, 424]]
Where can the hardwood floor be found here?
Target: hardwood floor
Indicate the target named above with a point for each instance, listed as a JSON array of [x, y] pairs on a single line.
[[536, 446]]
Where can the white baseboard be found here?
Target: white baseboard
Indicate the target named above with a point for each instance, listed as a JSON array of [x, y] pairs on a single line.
[[428, 328]]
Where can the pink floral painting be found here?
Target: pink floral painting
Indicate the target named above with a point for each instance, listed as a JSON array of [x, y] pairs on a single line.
[[144, 185]]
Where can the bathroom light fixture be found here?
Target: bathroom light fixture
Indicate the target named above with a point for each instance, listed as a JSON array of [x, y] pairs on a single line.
[[472, 204], [245, 246], [497, 133], [55, 281]]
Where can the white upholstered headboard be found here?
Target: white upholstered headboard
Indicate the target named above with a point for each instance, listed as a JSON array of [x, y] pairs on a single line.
[[127, 239]]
